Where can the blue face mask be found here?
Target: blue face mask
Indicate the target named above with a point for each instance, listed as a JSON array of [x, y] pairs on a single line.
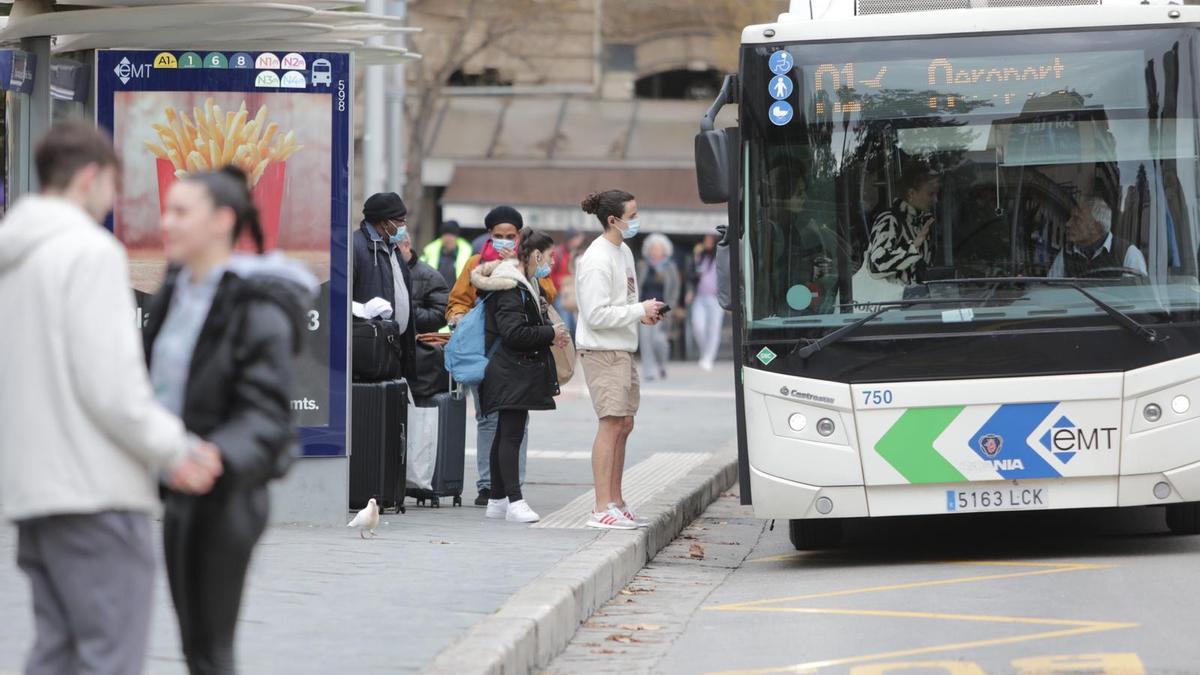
[[504, 244], [542, 271], [634, 226], [401, 235]]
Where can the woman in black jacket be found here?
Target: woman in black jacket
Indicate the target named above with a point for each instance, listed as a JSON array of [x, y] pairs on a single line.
[[520, 374], [222, 334]]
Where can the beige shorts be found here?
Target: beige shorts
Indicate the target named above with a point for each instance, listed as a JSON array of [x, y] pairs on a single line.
[[612, 381]]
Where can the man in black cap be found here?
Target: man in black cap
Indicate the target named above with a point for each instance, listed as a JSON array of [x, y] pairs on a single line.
[[379, 270], [448, 253]]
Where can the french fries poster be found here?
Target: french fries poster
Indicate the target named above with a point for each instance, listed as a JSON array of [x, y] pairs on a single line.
[[284, 119]]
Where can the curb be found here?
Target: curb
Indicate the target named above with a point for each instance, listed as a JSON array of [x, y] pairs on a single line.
[[537, 622]]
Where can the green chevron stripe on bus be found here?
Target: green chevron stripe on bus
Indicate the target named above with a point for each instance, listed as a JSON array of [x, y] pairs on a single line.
[[908, 445]]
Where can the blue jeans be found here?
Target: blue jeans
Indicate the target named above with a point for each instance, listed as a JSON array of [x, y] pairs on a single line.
[[485, 433], [568, 316]]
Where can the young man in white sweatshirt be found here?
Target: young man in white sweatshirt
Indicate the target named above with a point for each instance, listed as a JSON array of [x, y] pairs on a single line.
[[607, 337], [82, 440]]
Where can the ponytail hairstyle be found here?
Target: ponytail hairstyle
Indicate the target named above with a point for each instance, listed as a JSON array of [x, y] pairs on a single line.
[[605, 204], [533, 240], [230, 188]]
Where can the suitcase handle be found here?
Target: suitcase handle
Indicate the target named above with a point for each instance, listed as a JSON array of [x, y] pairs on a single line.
[[456, 389]]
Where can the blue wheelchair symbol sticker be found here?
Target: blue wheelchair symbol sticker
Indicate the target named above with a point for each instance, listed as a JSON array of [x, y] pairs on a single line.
[[781, 87], [781, 63], [780, 113]]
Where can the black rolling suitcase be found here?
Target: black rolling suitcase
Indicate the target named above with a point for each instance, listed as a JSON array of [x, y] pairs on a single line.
[[451, 448], [378, 443]]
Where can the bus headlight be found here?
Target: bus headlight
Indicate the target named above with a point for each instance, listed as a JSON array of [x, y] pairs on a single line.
[[825, 426], [1180, 404], [797, 421], [1152, 412]]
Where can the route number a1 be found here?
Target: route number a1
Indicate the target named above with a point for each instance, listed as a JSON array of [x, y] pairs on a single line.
[[877, 397]]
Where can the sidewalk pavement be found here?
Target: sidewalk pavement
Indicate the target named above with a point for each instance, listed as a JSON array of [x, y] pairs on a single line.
[[445, 590]]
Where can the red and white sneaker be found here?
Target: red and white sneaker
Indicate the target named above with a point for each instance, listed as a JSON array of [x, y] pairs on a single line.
[[612, 519], [631, 516]]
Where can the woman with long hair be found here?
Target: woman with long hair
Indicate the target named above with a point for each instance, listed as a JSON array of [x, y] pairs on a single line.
[[520, 374], [708, 317], [223, 331]]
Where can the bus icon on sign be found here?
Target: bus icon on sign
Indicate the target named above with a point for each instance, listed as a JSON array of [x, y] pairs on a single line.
[[322, 72]]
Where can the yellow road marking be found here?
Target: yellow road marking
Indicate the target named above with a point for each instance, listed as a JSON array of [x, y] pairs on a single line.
[[1069, 627], [1049, 568], [1097, 627]]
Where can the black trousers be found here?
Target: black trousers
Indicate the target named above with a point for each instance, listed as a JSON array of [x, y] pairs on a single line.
[[506, 455], [208, 542]]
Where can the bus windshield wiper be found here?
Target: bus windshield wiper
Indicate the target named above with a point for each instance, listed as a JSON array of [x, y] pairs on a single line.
[[1146, 333], [809, 346]]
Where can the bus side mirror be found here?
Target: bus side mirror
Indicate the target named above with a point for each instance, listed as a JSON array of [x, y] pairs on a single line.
[[712, 166]]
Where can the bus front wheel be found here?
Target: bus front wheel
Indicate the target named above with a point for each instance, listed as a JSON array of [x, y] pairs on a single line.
[[812, 535], [1184, 518]]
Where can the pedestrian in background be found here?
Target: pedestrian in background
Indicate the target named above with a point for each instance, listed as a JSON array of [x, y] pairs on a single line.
[[660, 279], [430, 293], [563, 276], [82, 440], [520, 373], [609, 313], [378, 270], [223, 333], [504, 224], [449, 253], [707, 316]]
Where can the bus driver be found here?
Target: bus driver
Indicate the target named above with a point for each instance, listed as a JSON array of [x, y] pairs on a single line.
[[1092, 247]]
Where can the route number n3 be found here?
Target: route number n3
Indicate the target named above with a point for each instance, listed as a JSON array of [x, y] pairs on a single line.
[[877, 397]]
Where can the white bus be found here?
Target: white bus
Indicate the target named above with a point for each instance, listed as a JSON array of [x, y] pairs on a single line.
[[964, 249]]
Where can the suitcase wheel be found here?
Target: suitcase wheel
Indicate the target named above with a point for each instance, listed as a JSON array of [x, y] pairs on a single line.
[[436, 503], [420, 501], [458, 501], [402, 509]]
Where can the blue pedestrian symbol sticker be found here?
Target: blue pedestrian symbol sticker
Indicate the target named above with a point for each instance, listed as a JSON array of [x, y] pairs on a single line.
[[781, 63], [781, 87], [780, 113]]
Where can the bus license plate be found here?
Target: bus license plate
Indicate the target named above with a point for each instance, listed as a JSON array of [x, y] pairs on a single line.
[[998, 499]]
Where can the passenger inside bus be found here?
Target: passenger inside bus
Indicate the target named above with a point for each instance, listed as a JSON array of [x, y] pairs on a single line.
[[900, 248], [1092, 249], [804, 262]]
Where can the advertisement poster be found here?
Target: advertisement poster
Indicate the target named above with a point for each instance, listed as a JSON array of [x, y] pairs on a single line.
[[284, 119]]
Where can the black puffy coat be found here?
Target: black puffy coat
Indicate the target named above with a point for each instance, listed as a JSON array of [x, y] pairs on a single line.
[[520, 374], [373, 279], [429, 295], [238, 393]]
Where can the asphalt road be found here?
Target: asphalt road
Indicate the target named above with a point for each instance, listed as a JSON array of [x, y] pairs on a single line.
[[1099, 592]]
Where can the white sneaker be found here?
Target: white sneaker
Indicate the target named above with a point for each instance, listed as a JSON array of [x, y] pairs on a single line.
[[519, 512], [631, 516], [706, 365], [498, 508], [612, 519]]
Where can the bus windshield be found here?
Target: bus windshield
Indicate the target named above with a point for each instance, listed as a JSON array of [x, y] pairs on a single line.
[[915, 170]]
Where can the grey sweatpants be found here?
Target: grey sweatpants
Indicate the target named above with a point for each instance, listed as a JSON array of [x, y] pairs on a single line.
[[93, 580]]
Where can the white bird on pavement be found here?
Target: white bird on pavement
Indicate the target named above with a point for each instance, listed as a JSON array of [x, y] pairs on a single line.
[[367, 519]]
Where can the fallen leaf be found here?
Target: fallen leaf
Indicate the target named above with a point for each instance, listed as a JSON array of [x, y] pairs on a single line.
[[604, 651], [623, 639], [696, 552], [635, 627], [439, 542]]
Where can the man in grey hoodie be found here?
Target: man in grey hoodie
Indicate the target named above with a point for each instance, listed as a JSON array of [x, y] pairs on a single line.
[[82, 440]]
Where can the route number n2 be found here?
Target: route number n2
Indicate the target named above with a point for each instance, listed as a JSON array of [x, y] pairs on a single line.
[[877, 397]]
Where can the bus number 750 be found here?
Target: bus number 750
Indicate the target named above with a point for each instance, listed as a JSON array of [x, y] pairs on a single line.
[[877, 397]]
